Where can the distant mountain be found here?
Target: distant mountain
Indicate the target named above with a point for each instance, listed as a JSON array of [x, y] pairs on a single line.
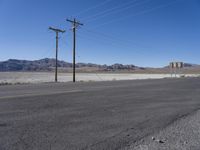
[[25, 65], [48, 64], [191, 65]]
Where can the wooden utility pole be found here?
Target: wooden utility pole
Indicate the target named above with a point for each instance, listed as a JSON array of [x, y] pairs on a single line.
[[75, 24], [57, 32]]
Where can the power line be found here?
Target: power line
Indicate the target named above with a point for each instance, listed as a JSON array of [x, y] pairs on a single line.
[[117, 10], [57, 31], [93, 7], [117, 41], [110, 42], [139, 13], [75, 25], [110, 9], [112, 37]]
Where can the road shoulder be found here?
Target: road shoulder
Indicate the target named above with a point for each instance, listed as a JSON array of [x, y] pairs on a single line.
[[183, 134]]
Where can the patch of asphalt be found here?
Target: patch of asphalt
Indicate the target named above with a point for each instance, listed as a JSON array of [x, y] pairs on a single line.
[[183, 134], [49, 88], [39, 94]]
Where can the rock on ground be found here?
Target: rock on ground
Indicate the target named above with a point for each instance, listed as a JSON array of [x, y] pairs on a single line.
[[184, 134]]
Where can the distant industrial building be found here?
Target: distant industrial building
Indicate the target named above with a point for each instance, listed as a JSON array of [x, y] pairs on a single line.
[[175, 68], [177, 65]]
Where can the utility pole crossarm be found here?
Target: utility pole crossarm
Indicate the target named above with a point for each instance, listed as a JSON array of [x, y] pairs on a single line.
[[75, 22], [56, 30]]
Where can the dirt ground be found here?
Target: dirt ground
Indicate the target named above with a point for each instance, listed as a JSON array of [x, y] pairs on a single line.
[[38, 77]]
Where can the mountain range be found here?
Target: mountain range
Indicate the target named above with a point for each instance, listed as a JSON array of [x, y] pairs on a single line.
[[48, 64]]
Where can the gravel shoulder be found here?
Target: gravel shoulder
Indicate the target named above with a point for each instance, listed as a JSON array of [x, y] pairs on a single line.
[[183, 134]]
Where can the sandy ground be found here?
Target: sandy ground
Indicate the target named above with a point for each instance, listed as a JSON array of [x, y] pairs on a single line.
[[183, 134], [38, 77]]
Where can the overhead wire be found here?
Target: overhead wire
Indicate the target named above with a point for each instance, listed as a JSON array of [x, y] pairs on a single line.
[[143, 12], [113, 37], [138, 52], [110, 42], [48, 53], [116, 10], [139, 13], [118, 41], [93, 7], [111, 9]]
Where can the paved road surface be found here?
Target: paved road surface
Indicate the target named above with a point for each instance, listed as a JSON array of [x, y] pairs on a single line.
[[99, 115]]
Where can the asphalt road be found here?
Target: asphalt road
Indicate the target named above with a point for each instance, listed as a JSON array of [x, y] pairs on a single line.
[[99, 115]]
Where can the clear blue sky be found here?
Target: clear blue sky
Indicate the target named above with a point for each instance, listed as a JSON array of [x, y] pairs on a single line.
[[141, 32]]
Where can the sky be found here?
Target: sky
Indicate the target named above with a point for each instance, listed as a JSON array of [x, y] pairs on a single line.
[[148, 33]]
